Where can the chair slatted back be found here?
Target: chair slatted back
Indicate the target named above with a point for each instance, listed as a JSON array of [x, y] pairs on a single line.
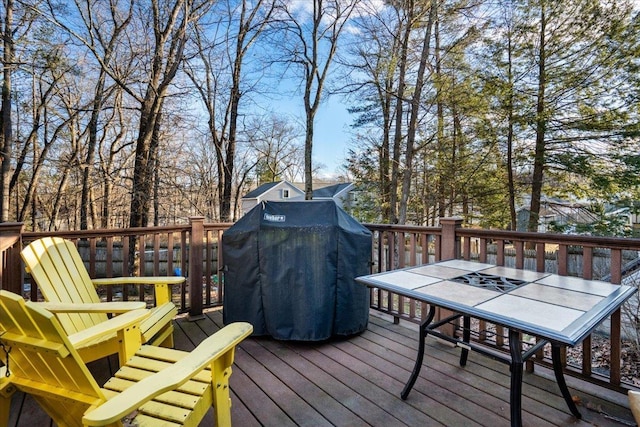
[[56, 266], [43, 362]]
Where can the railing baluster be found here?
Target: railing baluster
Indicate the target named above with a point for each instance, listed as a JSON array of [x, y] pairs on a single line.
[[466, 249], [500, 252], [587, 262], [483, 250], [424, 241], [125, 266], [388, 252], [540, 257], [519, 245], [563, 260], [109, 266]]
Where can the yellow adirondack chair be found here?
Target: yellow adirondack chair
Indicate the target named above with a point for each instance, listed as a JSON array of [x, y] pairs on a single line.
[[158, 386], [56, 266], [634, 404]]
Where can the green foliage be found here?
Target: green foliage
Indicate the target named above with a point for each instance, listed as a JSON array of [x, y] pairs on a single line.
[[609, 224], [362, 166]]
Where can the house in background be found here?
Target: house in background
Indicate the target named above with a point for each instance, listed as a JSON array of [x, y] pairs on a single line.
[[563, 216], [282, 191], [555, 212], [339, 193]]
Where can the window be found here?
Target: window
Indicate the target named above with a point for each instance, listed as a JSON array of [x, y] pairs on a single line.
[[285, 194]]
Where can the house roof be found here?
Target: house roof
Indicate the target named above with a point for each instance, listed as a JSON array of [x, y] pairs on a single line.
[[260, 190], [264, 188], [327, 192], [331, 190]]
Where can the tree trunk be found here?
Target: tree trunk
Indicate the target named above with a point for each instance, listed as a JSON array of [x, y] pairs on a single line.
[[441, 156], [541, 124], [413, 118], [399, 113], [142, 171], [225, 207], [510, 124], [308, 150], [6, 145], [164, 69], [384, 159], [87, 166]]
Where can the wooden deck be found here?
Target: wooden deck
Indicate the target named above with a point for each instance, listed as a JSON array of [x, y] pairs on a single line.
[[357, 382]]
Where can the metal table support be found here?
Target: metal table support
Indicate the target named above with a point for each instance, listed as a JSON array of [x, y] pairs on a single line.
[[515, 361]]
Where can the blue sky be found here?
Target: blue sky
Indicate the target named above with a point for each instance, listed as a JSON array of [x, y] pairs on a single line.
[[332, 133]]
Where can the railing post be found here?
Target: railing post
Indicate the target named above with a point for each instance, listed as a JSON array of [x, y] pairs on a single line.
[[11, 273], [450, 245], [196, 241], [449, 249]]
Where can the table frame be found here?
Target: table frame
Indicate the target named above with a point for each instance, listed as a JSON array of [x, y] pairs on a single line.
[[515, 361], [516, 358]]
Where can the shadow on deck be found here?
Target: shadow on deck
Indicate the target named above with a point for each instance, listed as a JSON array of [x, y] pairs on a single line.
[[357, 382]]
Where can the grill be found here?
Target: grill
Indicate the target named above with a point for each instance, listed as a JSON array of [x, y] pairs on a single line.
[[290, 269]]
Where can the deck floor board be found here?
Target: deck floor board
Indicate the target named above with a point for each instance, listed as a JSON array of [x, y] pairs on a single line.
[[357, 382]]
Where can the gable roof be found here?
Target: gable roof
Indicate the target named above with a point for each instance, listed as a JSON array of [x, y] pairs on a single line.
[[327, 192], [265, 188], [331, 190], [260, 190]]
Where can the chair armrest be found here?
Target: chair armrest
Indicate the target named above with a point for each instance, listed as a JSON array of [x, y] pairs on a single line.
[[161, 284], [148, 280], [113, 325], [114, 307], [171, 377]]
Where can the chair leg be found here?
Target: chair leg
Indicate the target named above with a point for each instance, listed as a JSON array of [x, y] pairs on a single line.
[[6, 392], [634, 404], [5, 404], [130, 341], [221, 371]]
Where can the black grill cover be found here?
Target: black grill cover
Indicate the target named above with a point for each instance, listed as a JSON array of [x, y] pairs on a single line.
[[289, 270]]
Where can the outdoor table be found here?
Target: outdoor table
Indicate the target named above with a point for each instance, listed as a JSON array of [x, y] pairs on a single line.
[[559, 310]]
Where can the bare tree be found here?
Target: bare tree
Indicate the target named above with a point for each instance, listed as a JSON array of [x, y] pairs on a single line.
[[372, 91], [105, 44], [6, 123], [114, 155], [415, 107], [169, 23], [274, 143], [243, 25], [312, 47], [15, 26]]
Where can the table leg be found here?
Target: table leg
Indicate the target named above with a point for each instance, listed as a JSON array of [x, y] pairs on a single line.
[[420, 356], [516, 378], [557, 369], [466, 337]]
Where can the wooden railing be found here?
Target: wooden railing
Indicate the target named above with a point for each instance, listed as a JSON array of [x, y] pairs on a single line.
[[194, 250], [582, 256]]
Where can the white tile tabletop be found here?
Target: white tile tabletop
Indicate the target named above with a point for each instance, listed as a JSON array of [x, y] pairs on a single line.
[[560, 308]]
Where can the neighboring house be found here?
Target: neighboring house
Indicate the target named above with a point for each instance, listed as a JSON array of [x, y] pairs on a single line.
[[560, 212], [286, 191], [273, 191], [555, 211]]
